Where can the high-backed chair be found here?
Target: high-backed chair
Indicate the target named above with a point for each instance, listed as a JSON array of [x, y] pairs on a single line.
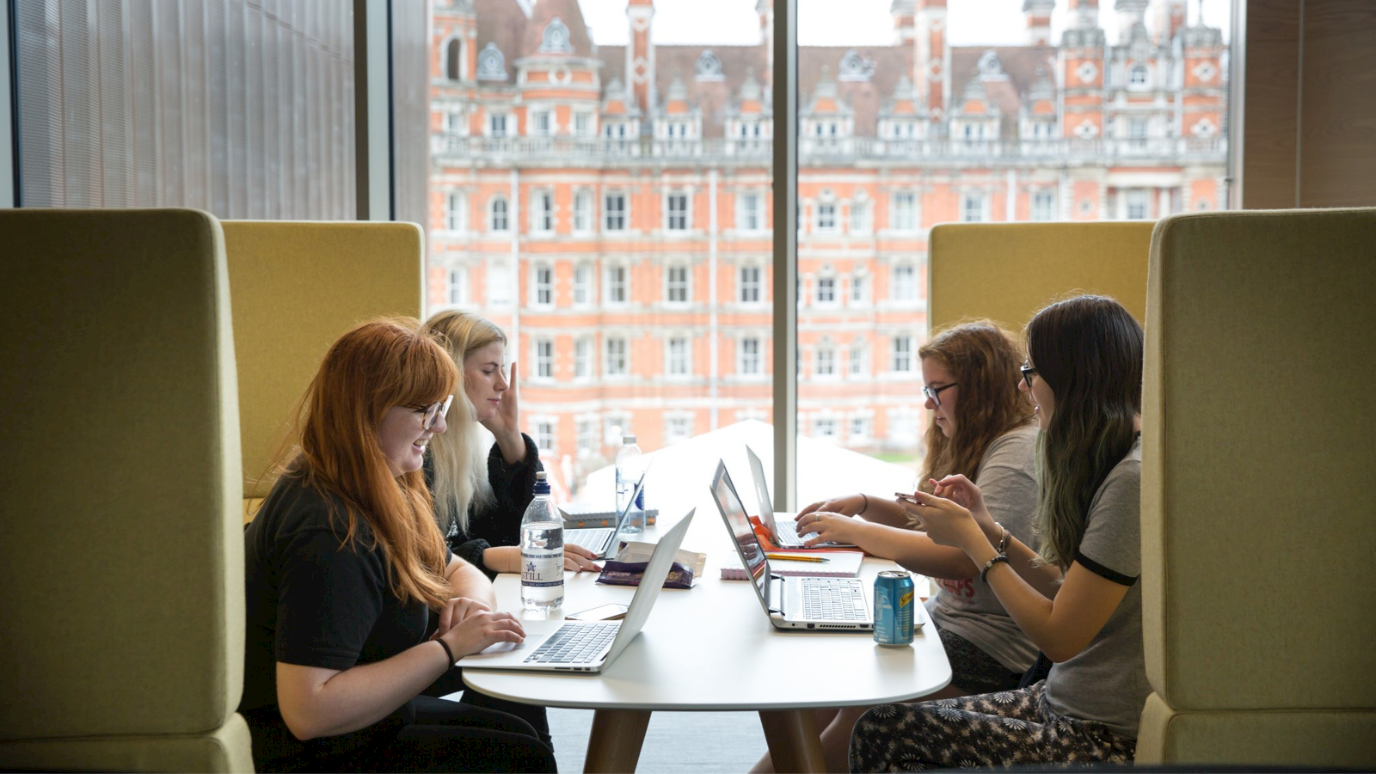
[[1258, 511], [121, 551], [1007, 271], [296, 288]]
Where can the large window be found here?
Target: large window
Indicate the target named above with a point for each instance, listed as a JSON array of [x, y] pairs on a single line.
[[646, 172]]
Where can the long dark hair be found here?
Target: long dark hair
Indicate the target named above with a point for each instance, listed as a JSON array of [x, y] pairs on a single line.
[[1088, 350], [983, 359]]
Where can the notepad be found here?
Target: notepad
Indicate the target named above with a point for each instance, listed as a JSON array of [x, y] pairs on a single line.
[[839, 564]]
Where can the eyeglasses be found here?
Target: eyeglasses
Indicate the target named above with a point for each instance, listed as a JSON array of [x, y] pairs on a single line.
[[933, 392], [1027, 373], [433, 412]]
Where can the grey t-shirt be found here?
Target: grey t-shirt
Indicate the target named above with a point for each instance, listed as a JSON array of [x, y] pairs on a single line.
[[969, 608], [1107, 681]]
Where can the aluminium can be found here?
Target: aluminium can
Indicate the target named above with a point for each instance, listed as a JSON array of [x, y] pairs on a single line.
[[894, 597]]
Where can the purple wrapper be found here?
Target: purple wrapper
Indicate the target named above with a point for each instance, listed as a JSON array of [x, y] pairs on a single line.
[[630, 573]]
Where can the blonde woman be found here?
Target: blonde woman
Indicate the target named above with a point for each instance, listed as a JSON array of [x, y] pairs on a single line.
[[482, 486]]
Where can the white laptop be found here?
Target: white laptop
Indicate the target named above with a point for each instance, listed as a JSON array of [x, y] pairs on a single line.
[[783, 531], [800, 603], [605, 541], [586, 646]]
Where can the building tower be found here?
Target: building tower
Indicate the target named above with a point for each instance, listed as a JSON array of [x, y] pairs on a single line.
[[640, 55], [932, 61], [1038, 15]]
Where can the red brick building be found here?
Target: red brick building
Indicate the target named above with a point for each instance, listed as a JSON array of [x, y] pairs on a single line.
[[611, 205]]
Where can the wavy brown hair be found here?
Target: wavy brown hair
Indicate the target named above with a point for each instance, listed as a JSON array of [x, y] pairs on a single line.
[[370, 369], [459, 457], [1088, 350], [983, 360]]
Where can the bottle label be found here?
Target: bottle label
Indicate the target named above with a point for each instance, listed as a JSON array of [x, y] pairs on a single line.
[[542, 570]]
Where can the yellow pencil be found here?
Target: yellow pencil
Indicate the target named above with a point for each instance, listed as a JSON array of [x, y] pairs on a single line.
[[790, 558]]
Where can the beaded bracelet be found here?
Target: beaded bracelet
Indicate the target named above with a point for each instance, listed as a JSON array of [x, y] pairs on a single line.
[[447, 652], [984, 573]]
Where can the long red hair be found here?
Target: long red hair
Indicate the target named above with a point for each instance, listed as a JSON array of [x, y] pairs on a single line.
[[371, 368]]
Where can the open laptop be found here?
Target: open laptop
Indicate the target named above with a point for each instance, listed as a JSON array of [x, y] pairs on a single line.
[[604, 541], [784, 532], [802, 603], [586, 646]]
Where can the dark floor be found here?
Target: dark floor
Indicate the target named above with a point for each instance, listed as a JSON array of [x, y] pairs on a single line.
[[675, 743]]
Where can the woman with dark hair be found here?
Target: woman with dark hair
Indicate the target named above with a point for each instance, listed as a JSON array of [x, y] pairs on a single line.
[[1077, 599], [981, 428], [344, 567]]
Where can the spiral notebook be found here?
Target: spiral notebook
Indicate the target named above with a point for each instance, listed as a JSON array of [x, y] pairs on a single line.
[[838, 564]]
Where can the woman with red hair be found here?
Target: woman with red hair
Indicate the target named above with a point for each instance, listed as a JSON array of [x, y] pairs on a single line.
[[355, 605]]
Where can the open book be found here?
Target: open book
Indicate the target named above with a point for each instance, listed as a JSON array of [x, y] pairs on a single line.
[[836, 564]]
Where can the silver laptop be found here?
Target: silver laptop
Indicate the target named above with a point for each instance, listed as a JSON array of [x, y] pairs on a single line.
[[586, 646], [784, 532], [805, 603], [604, 541]]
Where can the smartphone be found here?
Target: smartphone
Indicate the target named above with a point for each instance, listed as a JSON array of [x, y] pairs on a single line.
[[611, 612], [906, 497]]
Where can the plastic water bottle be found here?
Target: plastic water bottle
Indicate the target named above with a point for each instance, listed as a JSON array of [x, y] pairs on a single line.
[[630, 464], [542, 551]]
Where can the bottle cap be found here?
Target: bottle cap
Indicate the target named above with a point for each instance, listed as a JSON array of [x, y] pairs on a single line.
[[628, 438], [541, 485]]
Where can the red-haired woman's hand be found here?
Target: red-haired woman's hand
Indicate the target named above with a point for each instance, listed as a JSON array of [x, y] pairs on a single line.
[[483, 629]]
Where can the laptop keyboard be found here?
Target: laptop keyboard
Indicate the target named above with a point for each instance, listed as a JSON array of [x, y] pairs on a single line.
[[787, 534], [826, 600], [594, 539], [574, 644]]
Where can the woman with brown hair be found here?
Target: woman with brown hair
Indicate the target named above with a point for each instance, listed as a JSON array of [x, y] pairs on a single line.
[[982, 428], [1076, 598], [344, 567]]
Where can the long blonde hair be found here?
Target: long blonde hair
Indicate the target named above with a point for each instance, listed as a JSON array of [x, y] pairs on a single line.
[[370, 369], [983, 360], [459, 456]]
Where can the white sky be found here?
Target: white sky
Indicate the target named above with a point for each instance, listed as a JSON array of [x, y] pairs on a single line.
[[845, 22]]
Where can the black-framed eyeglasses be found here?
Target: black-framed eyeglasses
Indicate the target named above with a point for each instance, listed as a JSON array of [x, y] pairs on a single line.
[[932, 393], [1027, 373], [433, 412]]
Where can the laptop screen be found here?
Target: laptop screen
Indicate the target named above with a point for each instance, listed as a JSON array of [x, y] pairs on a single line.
[[752, 553]]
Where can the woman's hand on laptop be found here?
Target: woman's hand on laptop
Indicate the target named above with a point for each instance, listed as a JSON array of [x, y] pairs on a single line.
[[848, 505], [825, 527], [578, 559]]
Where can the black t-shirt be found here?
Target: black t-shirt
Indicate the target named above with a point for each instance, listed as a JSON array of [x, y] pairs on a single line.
[[313, 601]]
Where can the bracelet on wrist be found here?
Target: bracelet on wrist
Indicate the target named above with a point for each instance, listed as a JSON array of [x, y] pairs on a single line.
[[984, 572], [449, 654], [866, 506], [1003, 538]]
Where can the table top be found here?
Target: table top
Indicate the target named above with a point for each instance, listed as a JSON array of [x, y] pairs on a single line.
[[712, 647]]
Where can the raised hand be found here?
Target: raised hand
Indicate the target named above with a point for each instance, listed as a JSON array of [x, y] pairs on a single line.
[[505, 425]]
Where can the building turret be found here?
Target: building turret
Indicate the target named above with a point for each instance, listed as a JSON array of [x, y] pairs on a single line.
[[1038, 15], [640, 54]]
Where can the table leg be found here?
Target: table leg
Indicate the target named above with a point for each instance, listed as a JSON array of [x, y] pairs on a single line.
[[794, 743], [614, 744]]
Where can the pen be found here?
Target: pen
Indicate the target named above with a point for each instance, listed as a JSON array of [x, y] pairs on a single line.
[[788, 558]]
